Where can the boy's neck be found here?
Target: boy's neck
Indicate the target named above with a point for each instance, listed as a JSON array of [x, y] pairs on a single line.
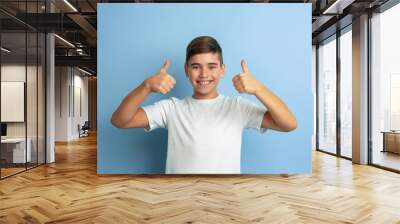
[[211, 95]]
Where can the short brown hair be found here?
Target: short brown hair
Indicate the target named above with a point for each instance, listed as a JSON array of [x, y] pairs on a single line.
[[203, 44]]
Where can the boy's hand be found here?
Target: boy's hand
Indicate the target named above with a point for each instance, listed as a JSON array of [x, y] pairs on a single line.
[[245, 82], [161, 82]]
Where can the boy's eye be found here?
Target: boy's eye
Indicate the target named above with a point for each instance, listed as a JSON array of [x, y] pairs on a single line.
[[195, 67], [212, 67]]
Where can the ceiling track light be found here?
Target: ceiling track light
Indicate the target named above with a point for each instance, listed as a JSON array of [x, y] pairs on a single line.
[[70, 5], [5, 50], [337, 7], [64, 40], [84, 71]]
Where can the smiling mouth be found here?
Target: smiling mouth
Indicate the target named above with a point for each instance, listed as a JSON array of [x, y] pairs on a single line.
[[203, 84]]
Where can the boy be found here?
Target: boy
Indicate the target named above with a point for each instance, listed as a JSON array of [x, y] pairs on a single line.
[[205, 129]]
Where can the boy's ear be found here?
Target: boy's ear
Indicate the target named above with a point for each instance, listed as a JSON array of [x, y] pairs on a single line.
[[186, 70], [222, 70]]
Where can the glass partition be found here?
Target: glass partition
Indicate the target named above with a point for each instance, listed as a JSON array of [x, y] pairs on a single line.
[[22, 78], [13, 110], [31, 100]]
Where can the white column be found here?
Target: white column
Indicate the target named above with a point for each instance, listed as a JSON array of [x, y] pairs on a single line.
[[50, 101], [50, 110]]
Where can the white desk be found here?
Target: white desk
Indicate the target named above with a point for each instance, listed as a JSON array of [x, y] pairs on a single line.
[[18, 149]]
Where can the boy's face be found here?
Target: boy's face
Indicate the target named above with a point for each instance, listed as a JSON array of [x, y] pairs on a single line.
[[204, 72]]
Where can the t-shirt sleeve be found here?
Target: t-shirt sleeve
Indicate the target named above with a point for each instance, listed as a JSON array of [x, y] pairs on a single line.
[[252, 114], [157, 114]]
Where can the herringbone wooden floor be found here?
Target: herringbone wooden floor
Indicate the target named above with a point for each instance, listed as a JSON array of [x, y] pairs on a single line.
[[70, 191]]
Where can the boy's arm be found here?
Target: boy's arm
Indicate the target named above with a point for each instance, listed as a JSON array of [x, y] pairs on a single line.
[[128, 114], [278, 116]]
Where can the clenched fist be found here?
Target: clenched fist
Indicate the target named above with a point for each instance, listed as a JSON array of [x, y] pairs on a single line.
[[245, 82], [161, 82]]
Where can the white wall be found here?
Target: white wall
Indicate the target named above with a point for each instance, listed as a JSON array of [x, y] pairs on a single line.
[[79, 110], [61, 103], [15, 72], [71, 94]]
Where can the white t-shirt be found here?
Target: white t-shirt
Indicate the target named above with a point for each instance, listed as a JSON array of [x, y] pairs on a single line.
[[204, 136]]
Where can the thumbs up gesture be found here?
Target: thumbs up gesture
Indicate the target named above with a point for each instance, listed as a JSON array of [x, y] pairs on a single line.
[[161, 82], [245, 82]]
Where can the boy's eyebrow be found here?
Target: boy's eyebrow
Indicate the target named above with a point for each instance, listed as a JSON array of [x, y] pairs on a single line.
[[212, 63]]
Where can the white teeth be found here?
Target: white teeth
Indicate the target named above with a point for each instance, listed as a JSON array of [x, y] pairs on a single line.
[[204, 82]]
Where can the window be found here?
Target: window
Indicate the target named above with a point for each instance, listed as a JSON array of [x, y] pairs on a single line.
[[385, 88], [346, 74], [327, 95]]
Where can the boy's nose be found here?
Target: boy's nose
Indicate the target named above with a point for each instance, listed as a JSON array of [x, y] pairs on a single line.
[[203, 73]]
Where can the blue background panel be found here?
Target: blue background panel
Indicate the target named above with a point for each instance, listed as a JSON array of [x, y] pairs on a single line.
[[135, 39]]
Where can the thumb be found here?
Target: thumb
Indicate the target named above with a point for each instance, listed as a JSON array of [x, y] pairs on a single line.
[[165, 66], [245, 69]]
